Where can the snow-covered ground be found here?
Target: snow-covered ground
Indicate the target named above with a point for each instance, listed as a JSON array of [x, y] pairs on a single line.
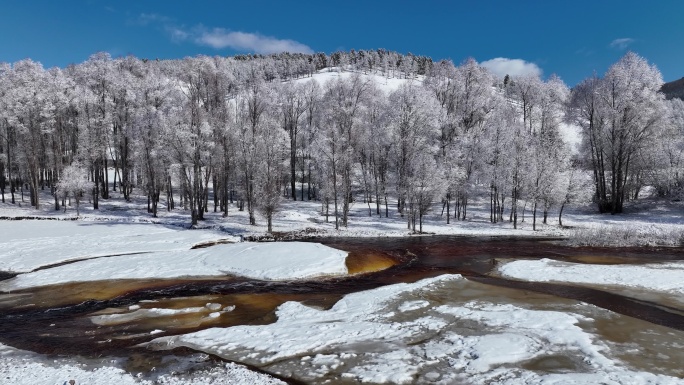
[[384, 83], [646, 222], [396, 334]]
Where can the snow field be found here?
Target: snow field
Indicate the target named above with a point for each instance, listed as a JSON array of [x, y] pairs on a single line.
[[385, 84]]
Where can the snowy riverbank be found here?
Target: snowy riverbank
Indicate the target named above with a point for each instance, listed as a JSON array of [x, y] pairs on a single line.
[[646, 222], [104, 251]]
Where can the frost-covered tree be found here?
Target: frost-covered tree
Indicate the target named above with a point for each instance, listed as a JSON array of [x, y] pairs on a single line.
[[621, 115], [203, 126], [272, 145], [252, 106], [375, 150], [549, 152], [442, 82], [497, 155], [328, 149], [61, 145], [414, 127], [191, 135], [290, 100], [345, 98], [574, 186], [426, 184], [526, 90], [128, 75], [5, 155], [30, 114], [74, 182], [467, 100], [476, 99], [95, 78], [313, 96], [157, 103], [665, 171]]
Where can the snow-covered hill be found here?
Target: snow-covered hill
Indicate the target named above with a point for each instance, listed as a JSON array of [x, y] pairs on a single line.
[[384, 83]]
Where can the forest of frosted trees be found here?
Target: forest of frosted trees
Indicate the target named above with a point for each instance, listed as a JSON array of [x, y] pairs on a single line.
[[202, 133]]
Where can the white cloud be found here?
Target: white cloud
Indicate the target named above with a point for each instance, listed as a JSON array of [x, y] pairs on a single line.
[[621, 43], [177, 34], [220, 38], [150, 18], [250, 42], [502, 66]]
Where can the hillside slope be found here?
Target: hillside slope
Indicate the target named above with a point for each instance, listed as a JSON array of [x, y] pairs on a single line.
[[674, 89]]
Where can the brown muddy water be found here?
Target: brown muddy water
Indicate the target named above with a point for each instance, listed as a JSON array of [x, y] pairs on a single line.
[[108, 319]]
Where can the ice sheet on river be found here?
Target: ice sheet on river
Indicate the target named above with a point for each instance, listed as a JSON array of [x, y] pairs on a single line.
[[662, 277], [372, 336], [270, 261], [26, 245], [19, 367]]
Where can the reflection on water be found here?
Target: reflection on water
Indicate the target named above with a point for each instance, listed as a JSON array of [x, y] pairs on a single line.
[[556, 364], [642, 345], [108, 318]]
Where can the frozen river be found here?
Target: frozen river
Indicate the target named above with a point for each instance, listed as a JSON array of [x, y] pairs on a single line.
[[420, 310]]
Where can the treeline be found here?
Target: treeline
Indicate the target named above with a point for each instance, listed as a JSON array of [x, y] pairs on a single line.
[[286, 66], [205, 132]]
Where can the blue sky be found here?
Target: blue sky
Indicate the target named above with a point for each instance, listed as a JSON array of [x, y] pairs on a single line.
[[569, 38]]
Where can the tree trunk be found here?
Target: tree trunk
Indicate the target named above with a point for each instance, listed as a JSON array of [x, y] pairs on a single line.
[[448, 204], [105, 181], [293, 164], [386, 206], [514, 209], [96, 186], [465, 205], [155, 202], [303, 174]]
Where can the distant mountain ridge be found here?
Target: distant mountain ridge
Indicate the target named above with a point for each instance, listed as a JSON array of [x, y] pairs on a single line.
[[674, 89]]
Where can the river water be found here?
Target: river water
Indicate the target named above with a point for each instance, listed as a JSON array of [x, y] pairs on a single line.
[[85, 319]]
